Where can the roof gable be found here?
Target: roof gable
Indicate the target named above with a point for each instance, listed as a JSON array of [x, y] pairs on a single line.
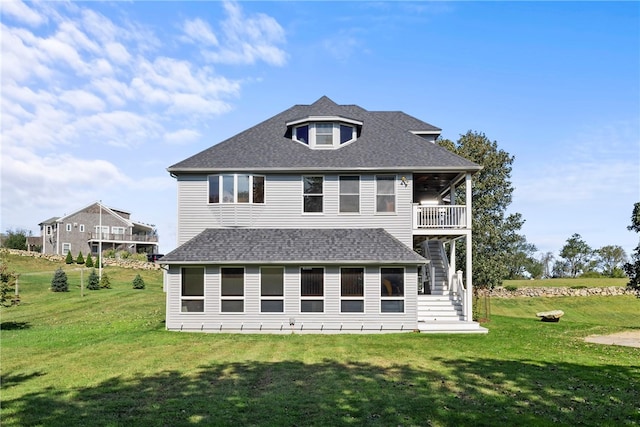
[[386, 141]]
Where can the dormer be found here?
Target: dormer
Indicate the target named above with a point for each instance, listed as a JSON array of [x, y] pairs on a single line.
[[324, 132]]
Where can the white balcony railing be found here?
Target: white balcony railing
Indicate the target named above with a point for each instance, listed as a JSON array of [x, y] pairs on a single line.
[[440, 216]]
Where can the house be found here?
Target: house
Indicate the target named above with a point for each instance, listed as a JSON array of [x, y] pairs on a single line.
[[95, 226], [325, 218]]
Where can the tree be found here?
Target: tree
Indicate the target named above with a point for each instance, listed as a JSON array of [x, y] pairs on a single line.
[[7, 281], [577, 254], [138, 282], [69, 258], [105, 283], [80, 259], [89, 262], [547, 260], [59, 281], [93, 283], [521, 259], [16, 239], [495, 233], [612, 258], [632, 268]]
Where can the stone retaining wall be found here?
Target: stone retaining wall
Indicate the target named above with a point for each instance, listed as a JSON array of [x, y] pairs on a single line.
[[124, 263], [501, 292]]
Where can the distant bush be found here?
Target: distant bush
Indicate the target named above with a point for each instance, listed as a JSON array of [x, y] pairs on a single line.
[[138, 282], [69, 258], [140, 257], [591, 275], [511, 288], [80, 259], [578, 287], [109, 253], [94, 281], [123, 255], [105, 283], [89, 262], [59, 282]]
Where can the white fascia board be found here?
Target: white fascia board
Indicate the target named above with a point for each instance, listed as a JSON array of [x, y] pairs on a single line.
[[310, 119], [296, 262]]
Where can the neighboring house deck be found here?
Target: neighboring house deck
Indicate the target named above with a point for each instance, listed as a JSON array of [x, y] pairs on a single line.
[[324, 218], [96, 226]]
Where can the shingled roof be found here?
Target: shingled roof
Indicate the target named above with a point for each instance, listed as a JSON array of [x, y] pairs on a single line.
[[293, 246], [386, 142]]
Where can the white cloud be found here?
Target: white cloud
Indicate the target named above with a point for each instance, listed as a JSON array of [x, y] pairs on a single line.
[[21, 12], [82, 101], [182, 136], [198, 31]]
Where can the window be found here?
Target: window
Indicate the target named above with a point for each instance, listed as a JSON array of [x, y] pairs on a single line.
[[66, 248], [192, 290], [312, 194], [385, 193], [272, 290], [232, 290], [352, 290], [105, 232], [68, 227], [236, 188], [49, 229], [312, 289], [324, 134], [118, 231], [81, 229], [349, 194], [392, 290]]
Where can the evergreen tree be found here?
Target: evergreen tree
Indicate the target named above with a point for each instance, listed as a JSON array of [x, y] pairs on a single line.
[[89, 262], [138, 282], [7, 282], [69, 258], [495, 234], [59, 281], [105, 283], [94, 281], [80, 259]]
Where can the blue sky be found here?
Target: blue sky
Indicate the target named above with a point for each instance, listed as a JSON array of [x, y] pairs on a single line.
[[98, 99]]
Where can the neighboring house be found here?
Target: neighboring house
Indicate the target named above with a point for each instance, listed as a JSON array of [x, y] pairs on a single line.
[[86, 229], [324, 218]]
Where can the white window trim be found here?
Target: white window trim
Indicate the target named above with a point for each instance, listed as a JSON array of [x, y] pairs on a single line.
[[305, 298], [336, 134], [350, 194], [273, 297], [392, 298], [234, 298], [81, 228], [195, 298], [69, 226], [324, 180], [235, 189], [66, 247], [116, 230], [395, 195], [49, 230], [362, 298]]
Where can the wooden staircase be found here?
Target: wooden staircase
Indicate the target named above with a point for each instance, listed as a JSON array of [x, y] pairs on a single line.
[[439, 311]]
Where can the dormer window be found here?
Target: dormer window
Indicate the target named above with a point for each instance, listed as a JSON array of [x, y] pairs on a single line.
[[324, 134]]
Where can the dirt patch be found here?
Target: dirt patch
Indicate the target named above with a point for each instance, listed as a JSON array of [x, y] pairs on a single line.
[[627, 339]]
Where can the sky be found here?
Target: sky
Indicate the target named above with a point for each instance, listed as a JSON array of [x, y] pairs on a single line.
[[99, 98]]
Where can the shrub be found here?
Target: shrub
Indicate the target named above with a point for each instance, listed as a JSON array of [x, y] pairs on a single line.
[[578, 287], [123, 255], [140, 257], [89, 261], [109, 253], [7, 282], [591, 275], [105, 283], [96, 263], [94, 281], [69, 258], [138, 282], [511, 288], [80, 259], [59, 281]]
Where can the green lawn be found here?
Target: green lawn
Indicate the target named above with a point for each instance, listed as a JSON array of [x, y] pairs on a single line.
[[105, 360]]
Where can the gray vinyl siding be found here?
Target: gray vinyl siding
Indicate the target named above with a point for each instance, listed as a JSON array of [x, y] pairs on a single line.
[[331, 320], [283, 207]]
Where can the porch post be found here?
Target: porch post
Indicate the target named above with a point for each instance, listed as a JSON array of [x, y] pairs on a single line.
[[469, 250]]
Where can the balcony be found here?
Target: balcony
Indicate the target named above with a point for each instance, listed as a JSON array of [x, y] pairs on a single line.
[[116, 237], [440, 217]]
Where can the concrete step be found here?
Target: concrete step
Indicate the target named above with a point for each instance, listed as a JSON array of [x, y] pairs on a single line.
[[442, 327]]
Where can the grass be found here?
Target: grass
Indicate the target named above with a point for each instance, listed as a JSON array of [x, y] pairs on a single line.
[[105, 360]]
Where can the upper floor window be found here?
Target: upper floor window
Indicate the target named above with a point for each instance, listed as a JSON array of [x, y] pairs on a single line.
[[312, 189], [349, 194], [324, 134], [236, 188], [385, 193], [81, 229], [68, 227], [117, 230], [49, 230]]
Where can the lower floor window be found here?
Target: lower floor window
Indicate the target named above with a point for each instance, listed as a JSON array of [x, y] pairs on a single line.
[[312, 289], [66, 248], [352, 290], [272, 290], [232, 289], [392, 290], [192, 290]]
